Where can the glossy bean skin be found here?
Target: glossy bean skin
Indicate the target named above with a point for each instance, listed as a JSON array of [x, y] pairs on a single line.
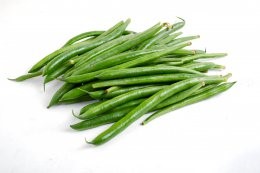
[[58, 60], [58, 72], [132, 104], [27, 76], [142, 71], [77, 92], [76, 100], [138, 38], [97, 94], [169, 39], [141, 60], [122, 91], [84, 58], [152, 79], [149, 104], [182, 39], [119, 100], [203, 66], [88, 106], [112, 89], [83, 77], [82, 36], [119, 59], [191, 100], [121, 111], [56, 97], [202, 56], [101, 120], [51, 56], [177, 26], [205, 88], [126, 105], [178, 96], [149, 58], [90, 34], [161, 35]]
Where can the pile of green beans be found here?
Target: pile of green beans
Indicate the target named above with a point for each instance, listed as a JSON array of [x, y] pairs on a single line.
[[128, 74]]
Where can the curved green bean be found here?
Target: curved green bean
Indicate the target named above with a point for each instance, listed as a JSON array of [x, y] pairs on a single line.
[[147, 105], [57, 61], [26, 76], [51, 56], [193, 99], [119, 100]]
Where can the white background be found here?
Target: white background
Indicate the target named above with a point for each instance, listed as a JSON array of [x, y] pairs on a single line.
[[218, 135]]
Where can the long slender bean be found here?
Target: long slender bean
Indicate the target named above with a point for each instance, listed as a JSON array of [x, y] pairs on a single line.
[[141, 71], [51, 56], [26, 76], [101, 120], [56, 97], [114, 102], [82, 36], [148, 104], [193, 99], [57, 61], [152, 79], [137, 39]]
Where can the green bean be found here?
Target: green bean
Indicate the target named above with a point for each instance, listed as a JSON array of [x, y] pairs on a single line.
[[205, 88], [112, 89], [89, 34], [197, 51], [183, 39], [76, 100], [137, 39], [77, 92], [173, 63], [149, 58], [56, 97], [51, 56], [203, 66], [61, 70], [152, 79], [148, 104], [26, 76], [190, 100], [179, 25], [57, 61], [87, 107], [135, 62], [161, 35], [101, 120], [102, 48], [130, 104], [142, 71], [82, 36], [122, 91], [126, 105], [179, 96], [119, 100], [199, 56], [171, 100], [119, 59], [110, 30], [170, 38], [166, 59], [183, 52], [84, 77], [97, 94], [117, 114]]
